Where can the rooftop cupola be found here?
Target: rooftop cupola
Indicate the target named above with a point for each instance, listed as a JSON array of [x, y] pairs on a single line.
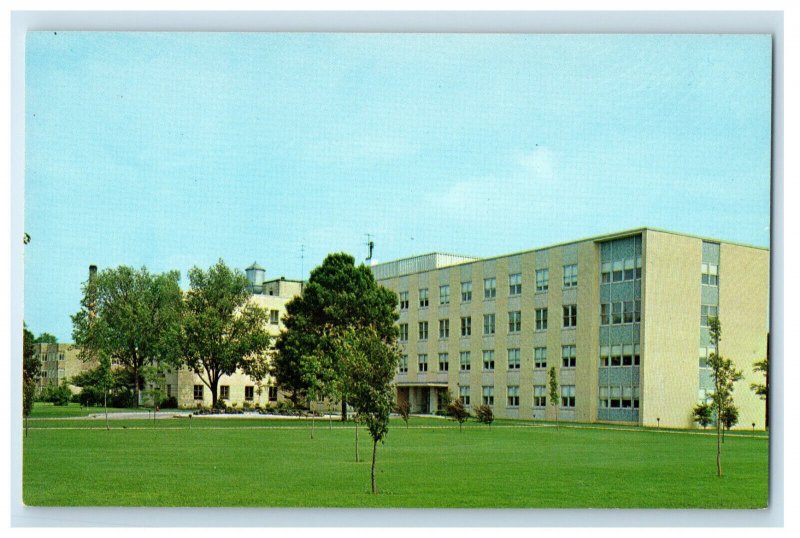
[[255, 274]]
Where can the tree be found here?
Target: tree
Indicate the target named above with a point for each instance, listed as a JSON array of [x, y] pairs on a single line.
[[132, 317], [730, 417], [404, 410], [222, 330], [369, 362], [554, 391], [338, 296], [458, 411], [483, 413], [96, 383], [762, 389], [702, 414], [724, 375], [45, 338], [31, 368]]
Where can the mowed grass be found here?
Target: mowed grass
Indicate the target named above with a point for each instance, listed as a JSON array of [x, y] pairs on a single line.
[[275, 463], [48, 410]]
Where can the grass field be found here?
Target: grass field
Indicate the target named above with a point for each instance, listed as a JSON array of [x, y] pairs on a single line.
[[252, 462], [48, 410]]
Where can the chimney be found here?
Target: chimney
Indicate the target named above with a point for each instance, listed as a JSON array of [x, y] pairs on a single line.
[[92, 272], [92, 276]]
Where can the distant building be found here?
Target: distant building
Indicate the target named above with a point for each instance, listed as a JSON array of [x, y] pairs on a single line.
[[623, 317], [60, 363]]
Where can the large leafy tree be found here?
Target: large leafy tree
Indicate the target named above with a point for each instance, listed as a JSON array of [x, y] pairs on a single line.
[[338, 296], [132, 317], [369, 363], [724, 375], [46, 338], [222, 330], [31, 367]]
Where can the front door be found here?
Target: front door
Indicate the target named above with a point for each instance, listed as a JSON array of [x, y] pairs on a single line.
[[426, 400]]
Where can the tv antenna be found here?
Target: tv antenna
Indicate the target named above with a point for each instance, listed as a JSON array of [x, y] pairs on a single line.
[[302, 258], [370, 246]]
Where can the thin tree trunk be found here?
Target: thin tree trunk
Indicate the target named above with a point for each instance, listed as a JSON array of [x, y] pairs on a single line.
[[312, 419], [26, 425], [374, 449], [105, 406], [356, 423], [344, 410]]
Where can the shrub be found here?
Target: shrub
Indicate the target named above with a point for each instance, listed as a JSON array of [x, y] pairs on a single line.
[[730, 416], [458, 412], [221, 404], [484, 414], [124, 398], [90, 396], [404, 410], [60, 395], [702, 414], [246, 406], [169, 403]]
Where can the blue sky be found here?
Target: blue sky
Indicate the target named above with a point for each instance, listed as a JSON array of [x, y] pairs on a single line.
[[174, 150]]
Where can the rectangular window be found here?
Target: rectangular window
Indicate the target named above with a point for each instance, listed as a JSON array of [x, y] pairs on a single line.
[[567, 395], [512, 393], [198, 392], [539, 396], [463, 393], [514, 321], [705, 353], [570, 275], [605, 273], [570, 315], [422, 362], [403, 332], [444, 328], [710, 274], [444, 294], [423, 330], [488, 395], [248, 393], [540, 357], [444, 362], [488, 324], [272, 393], [541, 319], [618, 271], [605, 351], [489, 288], [169, 391], [515, 284], [708, 311], [466, 326], [423, 297], [464, 360], [225, 392], [542, 279], [513, 358], [466, 292], [568, 356], [488, 359], [403, 366], [605, 313], [403, 300]]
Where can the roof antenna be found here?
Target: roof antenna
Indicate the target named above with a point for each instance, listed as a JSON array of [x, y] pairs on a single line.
[[370, 245], [302, 258]]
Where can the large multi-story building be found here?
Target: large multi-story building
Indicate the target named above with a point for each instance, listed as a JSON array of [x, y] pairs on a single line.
[[623, 318], [59, 363]]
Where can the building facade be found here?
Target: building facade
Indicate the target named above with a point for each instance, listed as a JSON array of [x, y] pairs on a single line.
[[623, 318], [60, 362]]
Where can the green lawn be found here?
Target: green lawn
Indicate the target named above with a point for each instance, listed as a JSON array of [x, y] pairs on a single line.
[[246, 462], [48, 410]]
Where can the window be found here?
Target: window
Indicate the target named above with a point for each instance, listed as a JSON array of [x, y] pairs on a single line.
[[620, 355], [489, 288], [403, 300], [423, 330], [620, 312], [423, 297], [488, 359], [463, 393], [198, 392], [619, 397], [568, 356], [567, 395], [444, 362], [512, 393], [444, 294], [570, 315], [404, 332], [515, 284], [570, 275], [488, 395], [621, 270], [514, 321], [708, 311], [539, 396], [541, 319], [403, 366], [272, 394], [422, 362], [540, 357], [444, 328], [466, 292], [248, 393], [513, 358], [169, 391], [705, 353], [464, 359], [466, 326], [274, 316], [710, 274], [488, 324], [542, 279], [225, 392]]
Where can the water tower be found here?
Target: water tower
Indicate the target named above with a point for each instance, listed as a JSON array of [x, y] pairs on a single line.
[[255, 274]]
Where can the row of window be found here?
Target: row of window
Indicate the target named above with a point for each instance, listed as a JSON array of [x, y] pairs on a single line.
[[513, 355], [225, 392], [619, 397], [709, 274], [708, 311], [569, 320], [620, 312], [512, 395], [570, 280], [621, 270]]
